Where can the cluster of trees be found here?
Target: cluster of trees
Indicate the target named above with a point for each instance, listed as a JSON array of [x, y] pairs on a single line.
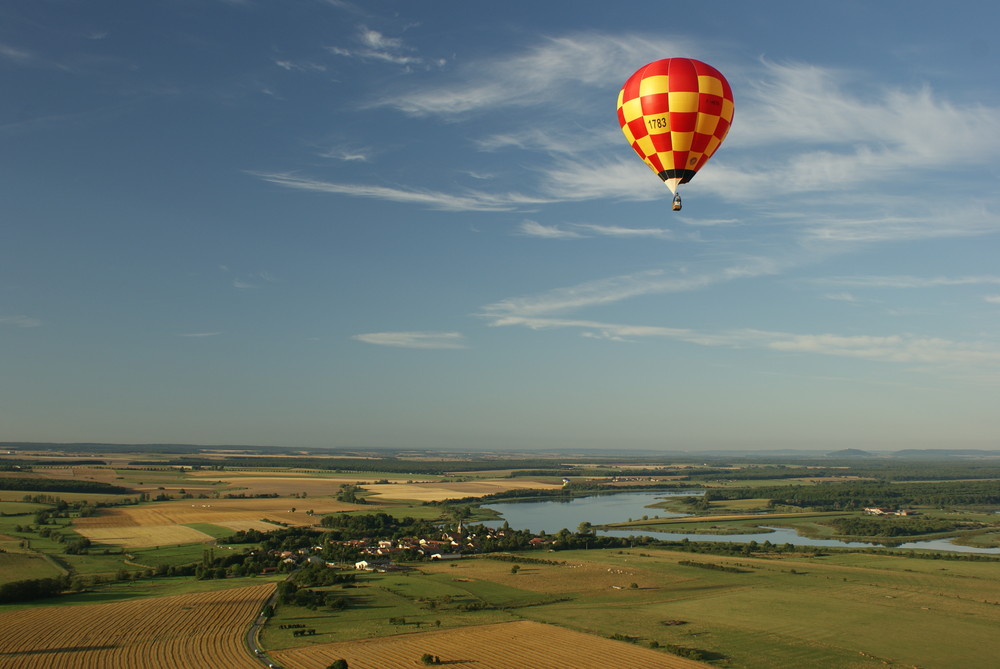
[[854, 496], [287, 539], [895, 526], [318, 576], [34, 588], [53, 485], [290, 593], [879, 469], [343, 527], [387, 465], [350, 494]]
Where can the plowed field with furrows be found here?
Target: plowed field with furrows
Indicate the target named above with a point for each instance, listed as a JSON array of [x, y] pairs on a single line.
[[522, 644], [195, 630]]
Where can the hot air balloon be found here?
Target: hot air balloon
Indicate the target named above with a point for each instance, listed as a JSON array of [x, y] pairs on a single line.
[[675, 113]]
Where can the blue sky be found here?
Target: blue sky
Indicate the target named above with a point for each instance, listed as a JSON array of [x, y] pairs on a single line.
[[417, 224]]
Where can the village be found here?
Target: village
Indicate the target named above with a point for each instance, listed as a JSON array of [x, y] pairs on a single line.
[[383, 555]]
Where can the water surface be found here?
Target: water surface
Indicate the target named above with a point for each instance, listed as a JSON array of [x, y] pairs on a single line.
[[551, 516]]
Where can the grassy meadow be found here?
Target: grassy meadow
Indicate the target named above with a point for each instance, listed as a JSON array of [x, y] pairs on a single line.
[[836, 610]]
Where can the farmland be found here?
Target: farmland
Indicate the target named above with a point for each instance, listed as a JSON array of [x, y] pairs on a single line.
[[177, 631], [753, 611], [498, 646], [748, 607], [163, 523]]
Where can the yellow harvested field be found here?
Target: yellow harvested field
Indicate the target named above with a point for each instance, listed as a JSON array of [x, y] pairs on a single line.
[[523, 644], [283, 485], [288, 483], [436, 492], [152, 524], [197, 630], [145, 536], [188, 511]]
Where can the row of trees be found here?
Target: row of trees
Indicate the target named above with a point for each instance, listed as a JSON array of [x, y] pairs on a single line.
[[896, 526], [33, 588], [854, 496], [53, 485]]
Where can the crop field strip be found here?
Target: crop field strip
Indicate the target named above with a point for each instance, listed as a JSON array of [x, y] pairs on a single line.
[[164, 523], [183, 512], [523, 644], [193, 630], [436, 492]]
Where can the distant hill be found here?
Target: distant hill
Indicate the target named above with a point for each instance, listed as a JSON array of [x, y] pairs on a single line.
[[850, 453]]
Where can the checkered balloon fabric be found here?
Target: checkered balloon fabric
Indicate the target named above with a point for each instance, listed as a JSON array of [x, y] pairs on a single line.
[[675, 112]]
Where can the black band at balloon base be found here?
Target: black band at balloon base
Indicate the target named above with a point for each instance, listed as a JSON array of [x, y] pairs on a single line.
[[684, 175]]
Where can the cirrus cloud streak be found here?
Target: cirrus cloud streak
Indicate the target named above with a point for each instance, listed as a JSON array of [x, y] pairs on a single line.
[[420, 340]]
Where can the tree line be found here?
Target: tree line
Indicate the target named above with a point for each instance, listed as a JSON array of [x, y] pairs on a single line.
[[52, 485], [854, 496]]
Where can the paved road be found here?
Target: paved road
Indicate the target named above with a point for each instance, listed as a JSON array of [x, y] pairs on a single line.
[[252, 634]]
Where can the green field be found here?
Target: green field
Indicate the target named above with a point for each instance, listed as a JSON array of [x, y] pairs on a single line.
[[375, 600], [839, 610], [214, 531], [22, 566], [10, 508]]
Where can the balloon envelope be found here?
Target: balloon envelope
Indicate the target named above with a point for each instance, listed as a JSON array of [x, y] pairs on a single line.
[[675, 113]]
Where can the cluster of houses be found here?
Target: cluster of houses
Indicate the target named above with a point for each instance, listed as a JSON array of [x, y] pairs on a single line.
[[449, 546], [379, 553], [883, 511]]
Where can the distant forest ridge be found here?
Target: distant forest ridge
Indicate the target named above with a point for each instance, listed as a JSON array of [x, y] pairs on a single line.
[[578, 455], [692, 470]]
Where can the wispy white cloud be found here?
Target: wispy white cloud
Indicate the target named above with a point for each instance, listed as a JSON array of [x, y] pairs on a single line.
[[905, 281], [627, 232], [348, 154], [297, 66], [421, 340], [557, 140], [539, 75], [623, 178], [842, 297], [200, 334], [20, 321], [905, 348], [374, 45], [823, 135], [618, 288], [467, 201], [900, 348], [15, 54], [964, 222], [535, 229], [804, 103], [580, 230], [549, 311], [827, 132]]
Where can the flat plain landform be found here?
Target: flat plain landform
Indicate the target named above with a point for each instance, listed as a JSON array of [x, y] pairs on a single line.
[[167, 556]]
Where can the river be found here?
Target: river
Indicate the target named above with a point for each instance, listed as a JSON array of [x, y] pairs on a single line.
[[551, 516]]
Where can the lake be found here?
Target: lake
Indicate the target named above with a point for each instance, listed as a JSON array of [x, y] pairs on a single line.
[[551, 516]]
